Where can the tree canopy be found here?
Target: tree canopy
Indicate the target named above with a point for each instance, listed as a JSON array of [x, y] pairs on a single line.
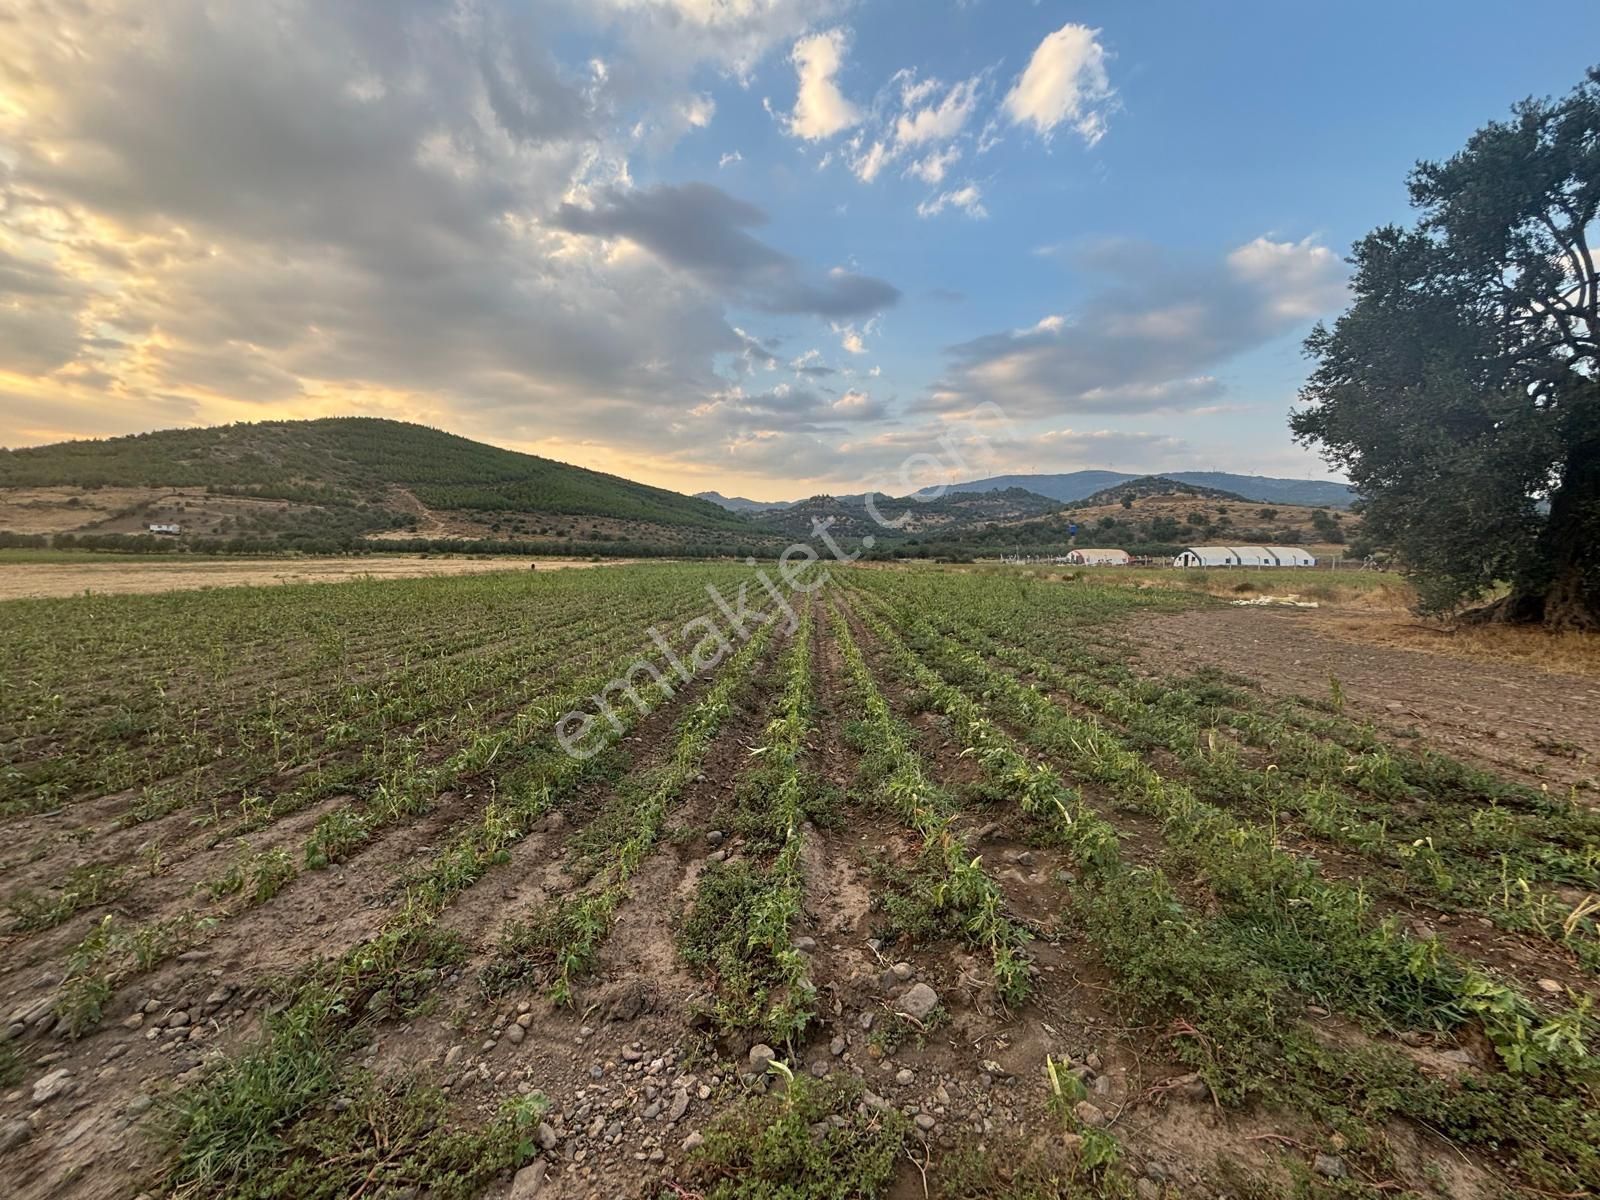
[[1460, 392]]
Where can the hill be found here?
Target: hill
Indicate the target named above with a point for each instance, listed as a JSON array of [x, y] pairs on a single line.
[[1079, 485], [339, 478], [1153, 485], [1136, 516], [890, 520]]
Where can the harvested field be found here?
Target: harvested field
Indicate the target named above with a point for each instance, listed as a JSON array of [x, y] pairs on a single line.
[[960, 884], [20, 580]]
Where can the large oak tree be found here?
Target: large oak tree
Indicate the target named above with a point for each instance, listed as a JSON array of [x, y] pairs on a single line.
[[1461, 390]]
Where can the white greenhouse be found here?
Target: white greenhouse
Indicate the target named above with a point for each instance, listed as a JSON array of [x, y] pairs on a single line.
[[1244, 556], [1098, 558]]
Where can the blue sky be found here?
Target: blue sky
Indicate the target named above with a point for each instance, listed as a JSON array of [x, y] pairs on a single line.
[[758, 246]]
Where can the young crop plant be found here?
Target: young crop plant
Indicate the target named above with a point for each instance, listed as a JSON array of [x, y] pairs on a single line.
[[958, 884], [85, 887], [1233, 1001], [740, 927], [560, 943], [1317, 932]]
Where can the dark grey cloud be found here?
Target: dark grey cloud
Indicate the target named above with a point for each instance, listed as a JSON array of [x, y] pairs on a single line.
[[1150, 337], [702, 229]]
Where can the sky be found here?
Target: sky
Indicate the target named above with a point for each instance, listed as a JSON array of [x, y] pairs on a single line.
[[763, 247]]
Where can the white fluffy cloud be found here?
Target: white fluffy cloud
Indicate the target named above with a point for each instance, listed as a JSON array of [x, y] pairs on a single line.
[[820, 108], [932, 168], [937, 122], [1064, 82], [967, 198]]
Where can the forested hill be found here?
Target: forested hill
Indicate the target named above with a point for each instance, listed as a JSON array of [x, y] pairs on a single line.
[[354, 458]]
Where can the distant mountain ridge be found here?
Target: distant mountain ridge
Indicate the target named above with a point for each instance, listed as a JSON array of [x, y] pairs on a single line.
[[741, 504], [1080, 485]]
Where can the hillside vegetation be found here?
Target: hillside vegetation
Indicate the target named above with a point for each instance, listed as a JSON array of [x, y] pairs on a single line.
[[352, 458], [890, 520]]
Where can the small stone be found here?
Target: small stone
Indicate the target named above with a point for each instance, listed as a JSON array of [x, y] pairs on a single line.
[[529, 1181], [717, 856], [515, 1034], [452, 1054], [693, 1142], [1330, 1166], [133, 1020], [140, 1103], [865, 1020], [1089, 1114], [903, 971], [904, 1076], [630, 1055], [918, 1001], [1094, 1062], [178, 1020], [819, 1068], [714, 838], [761, 1057], [805, 944], [680, 1105], [1551, 987], [836, 1047], [48, 1087], [925, 1122]]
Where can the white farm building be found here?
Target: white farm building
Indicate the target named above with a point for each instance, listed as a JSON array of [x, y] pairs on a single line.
[[1098, 558], [1244, 556]]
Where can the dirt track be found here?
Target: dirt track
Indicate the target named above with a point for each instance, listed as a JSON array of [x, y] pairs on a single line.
[[23, 580]]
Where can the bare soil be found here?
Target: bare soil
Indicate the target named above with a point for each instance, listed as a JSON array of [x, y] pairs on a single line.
[[1536, 725], [34, 580]]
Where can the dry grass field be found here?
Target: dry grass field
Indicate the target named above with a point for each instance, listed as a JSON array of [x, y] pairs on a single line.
[[967, 883], [35, 575]]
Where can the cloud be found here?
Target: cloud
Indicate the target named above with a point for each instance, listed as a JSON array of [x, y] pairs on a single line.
[[1305, 279], [229, 212], [728, 159], [1064, 82], [932, 168], [1150, 338], [968, 198], [701, 229], [850, 340], [820, 108], [938, 122], [912, 117]]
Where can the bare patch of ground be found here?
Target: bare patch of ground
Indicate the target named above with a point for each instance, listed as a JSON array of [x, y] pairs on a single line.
[[34, 580], [1537, 724]]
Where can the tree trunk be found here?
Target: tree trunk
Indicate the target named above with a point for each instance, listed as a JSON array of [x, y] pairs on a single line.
[[1562, 590]]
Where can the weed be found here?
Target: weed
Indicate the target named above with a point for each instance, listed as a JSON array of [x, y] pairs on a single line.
[[764, 1148]]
